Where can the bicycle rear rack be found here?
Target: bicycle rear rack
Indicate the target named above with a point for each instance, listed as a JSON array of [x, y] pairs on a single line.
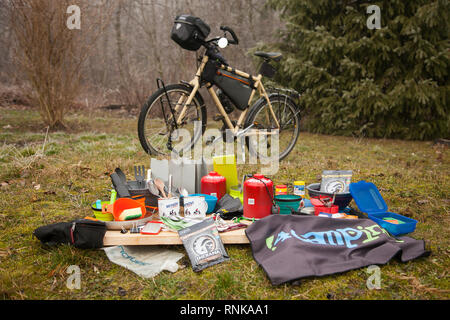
[[290, 92]]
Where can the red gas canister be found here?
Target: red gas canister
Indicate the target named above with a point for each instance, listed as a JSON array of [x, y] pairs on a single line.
[[258, 195], [214, 184]]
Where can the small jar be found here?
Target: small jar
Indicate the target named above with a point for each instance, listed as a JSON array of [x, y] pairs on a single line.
[[299, 188], [281, 190]]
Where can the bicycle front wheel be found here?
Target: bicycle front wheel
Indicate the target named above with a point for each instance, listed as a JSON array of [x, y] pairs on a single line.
[[158, 116], [263, 121]]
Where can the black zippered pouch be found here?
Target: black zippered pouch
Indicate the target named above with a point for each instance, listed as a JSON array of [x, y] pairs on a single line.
[[81, 233]]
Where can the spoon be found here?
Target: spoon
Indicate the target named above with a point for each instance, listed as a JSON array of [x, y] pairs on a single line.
[[150, 184], [160, 185]]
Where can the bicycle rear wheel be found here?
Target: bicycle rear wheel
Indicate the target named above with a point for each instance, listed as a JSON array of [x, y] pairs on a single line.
[[288, 117], [156, 120]]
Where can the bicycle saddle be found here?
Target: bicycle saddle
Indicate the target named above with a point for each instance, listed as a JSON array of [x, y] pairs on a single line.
[[275, 56]]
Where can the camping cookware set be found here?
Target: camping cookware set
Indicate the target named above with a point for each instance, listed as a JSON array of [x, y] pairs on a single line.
[[163, 189]]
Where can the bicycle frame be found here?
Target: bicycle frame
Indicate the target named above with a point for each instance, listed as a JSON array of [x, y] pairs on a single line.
[[196, 84]]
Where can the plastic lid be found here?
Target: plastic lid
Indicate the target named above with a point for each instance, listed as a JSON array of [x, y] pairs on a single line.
[[367, 197]]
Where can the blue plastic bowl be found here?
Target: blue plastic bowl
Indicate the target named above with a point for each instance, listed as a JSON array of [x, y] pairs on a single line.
[[210, 200], [408, 225]]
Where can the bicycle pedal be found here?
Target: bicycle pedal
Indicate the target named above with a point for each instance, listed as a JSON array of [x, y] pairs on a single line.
[[218, 117]]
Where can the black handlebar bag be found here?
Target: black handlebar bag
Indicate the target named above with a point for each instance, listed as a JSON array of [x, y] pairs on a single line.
[[81, 233], [189, 32]]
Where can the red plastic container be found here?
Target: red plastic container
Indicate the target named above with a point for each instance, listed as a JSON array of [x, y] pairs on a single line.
[[257, 201], [319, 205], [125, 203], [333, 209], [214, 184]]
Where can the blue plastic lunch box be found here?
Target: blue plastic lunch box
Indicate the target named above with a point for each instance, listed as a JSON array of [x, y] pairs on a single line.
[[369, 200]]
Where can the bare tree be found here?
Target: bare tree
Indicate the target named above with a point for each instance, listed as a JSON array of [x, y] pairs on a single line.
[[49, 53]]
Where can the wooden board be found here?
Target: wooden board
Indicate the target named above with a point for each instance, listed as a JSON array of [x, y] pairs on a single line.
[[115, 238]]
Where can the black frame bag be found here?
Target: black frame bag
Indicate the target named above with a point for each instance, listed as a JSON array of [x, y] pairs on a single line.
[[81, 233], [189, 32], [237, 88]]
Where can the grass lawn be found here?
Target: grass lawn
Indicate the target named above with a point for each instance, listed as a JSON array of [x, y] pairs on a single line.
[[58, 184]]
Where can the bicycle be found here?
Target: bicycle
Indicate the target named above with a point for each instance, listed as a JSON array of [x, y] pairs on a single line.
[[180, 105]]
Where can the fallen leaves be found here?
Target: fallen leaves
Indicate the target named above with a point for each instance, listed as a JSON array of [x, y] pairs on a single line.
[[85, 171], [59, 271], [440, 155], [417, 286], [6, 184], [4, 253], [54, 283]]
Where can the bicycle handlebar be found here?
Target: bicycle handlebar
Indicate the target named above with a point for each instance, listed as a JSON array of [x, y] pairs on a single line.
[[233, 34], [211, 45]]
